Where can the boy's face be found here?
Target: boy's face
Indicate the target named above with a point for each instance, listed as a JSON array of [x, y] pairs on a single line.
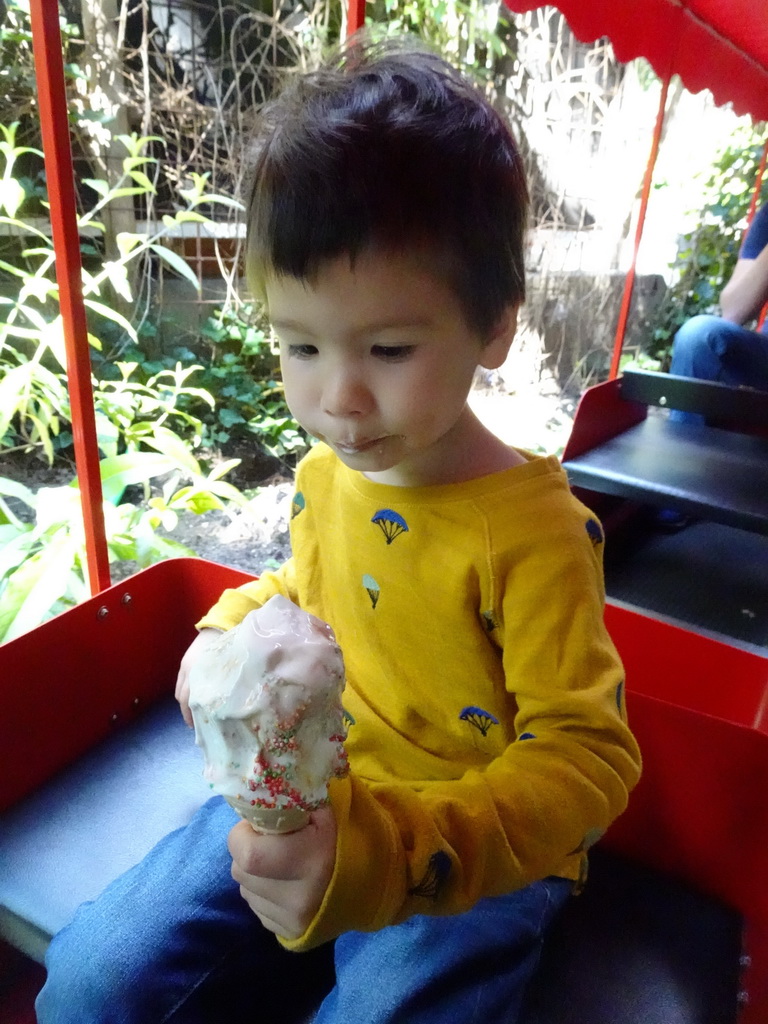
[[377, 361]]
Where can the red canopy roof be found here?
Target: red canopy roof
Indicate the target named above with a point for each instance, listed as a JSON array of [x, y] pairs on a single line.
[[720, 45]]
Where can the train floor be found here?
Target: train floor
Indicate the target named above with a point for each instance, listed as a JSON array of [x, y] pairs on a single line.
[[711, 577], [20, 981]]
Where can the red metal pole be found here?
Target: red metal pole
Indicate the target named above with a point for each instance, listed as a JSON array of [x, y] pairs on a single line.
[[355, 16], [52, 103], [629, 281]]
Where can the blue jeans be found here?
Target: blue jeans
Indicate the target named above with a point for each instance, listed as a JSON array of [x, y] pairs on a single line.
[[172, 941], [710, 348]]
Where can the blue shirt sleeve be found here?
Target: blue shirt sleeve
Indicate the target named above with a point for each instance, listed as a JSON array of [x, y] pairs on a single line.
[[757, 236]]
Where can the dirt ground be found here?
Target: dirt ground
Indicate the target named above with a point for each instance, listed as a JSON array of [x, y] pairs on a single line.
[[252, 539]]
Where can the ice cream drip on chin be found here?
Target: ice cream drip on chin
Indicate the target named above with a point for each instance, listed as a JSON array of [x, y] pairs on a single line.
[[265, 699]]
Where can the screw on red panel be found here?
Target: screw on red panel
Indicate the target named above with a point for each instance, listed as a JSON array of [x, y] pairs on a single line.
[[103, 612], [126, 599]]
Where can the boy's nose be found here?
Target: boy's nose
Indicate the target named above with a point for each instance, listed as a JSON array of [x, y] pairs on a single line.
[[346, 394]]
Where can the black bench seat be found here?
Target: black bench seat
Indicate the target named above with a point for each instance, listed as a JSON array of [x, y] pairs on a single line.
[[637, 946], [704, 471], [627, 450], [676, 894]]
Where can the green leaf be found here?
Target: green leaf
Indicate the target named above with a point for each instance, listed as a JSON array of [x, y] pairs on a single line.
[[10, 269], [35, 586], [14, 549], [184, 216], [58, 507], [118, 278], [12, 489], [225, 490], [127, 242], [221, 200], [177, 263], [141, 179], [121, 471], [127, 190], [112, 314], [229, 417], [12, 195], [107, 435], [223, 468], [131, 162], [52, 335], [198, 502], [26, 229], [98, 185], [169, 443], [151, 548]]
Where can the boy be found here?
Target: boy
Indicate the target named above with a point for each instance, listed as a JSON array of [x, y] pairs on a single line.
[[489, 746]]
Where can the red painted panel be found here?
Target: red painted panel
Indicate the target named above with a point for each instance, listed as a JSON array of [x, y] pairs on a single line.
[[755, 1010], [601, 414], [67, 684], [698, 709], [681, 667]]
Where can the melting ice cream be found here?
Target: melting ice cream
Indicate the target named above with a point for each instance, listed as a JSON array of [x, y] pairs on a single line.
[[265, 699]]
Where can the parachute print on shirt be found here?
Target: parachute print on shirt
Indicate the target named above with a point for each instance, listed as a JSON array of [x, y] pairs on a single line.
[[435, 876], [594, 532], [298, 504], [373, 589], [482, 720], [489, 621], [390, 523]]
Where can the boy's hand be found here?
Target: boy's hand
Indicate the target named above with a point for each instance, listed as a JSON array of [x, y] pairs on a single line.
[[191, 655], [283, 879]]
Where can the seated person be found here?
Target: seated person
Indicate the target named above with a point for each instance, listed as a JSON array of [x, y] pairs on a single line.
[[720, 348], [488, 741]]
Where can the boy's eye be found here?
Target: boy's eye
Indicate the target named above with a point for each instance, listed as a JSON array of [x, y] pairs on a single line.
[[393, 353], [302, 351]]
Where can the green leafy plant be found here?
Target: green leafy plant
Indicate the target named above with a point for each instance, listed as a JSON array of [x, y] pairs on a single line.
[[42, 551], [244, 375], [132, 415], [33, 394], [238, 396], [707, 255], [473, 32], [18, 87], [147, 429]]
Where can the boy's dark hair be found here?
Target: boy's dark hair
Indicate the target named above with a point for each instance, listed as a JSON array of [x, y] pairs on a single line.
[[390, 146]]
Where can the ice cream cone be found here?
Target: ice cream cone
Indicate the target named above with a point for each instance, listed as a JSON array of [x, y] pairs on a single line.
[[265, 698], [270, 820]]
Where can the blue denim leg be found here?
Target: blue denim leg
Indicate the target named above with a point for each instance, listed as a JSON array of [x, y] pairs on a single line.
[[710, 348], [173, 941], [473, 967]]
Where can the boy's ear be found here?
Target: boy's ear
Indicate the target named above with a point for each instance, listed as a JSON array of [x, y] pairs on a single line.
[[497, 347]]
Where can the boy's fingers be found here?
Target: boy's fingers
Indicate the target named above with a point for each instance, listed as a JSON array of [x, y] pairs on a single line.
[[284, 857], [275, 918], [182, 696], [264, 855]]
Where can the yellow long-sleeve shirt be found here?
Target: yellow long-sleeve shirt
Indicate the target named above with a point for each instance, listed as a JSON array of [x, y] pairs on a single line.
[[489, 746]]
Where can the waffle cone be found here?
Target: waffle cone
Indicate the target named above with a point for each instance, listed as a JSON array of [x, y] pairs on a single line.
[[271, 820]]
